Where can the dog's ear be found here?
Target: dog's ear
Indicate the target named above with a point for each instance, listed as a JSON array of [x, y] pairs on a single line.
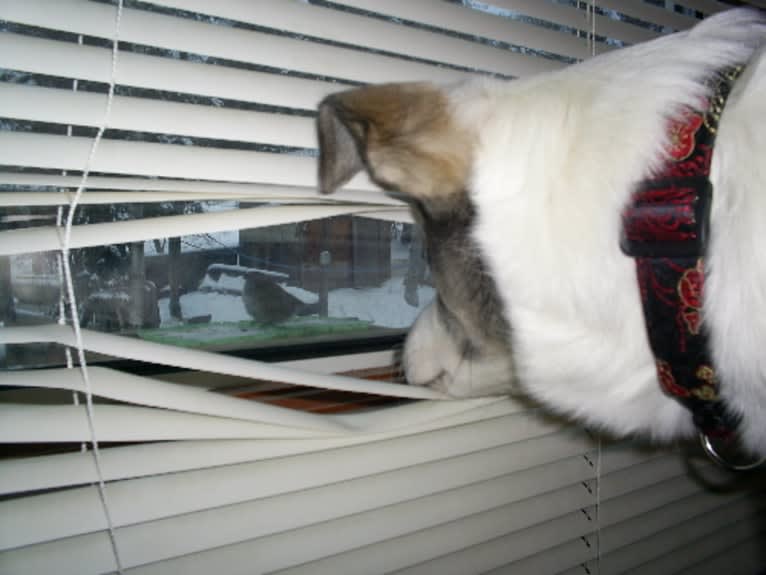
[[404, 135]]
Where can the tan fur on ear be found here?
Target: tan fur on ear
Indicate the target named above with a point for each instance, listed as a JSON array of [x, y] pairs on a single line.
[[403, 134]]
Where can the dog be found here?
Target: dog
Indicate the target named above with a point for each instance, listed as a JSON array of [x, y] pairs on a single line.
[[520, 187]]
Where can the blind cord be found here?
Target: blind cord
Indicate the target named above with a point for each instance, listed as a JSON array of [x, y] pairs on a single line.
[[590, 11], [598, 507], [70, 293], [592, 38], [60, 270]]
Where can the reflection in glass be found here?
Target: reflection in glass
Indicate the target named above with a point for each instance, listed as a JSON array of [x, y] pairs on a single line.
[[275, 285]]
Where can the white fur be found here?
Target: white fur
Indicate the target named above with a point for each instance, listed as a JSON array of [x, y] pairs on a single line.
[[433, 357], [556, 159]]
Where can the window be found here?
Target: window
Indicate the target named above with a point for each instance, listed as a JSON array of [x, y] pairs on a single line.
[[179, 136], [243, 290]]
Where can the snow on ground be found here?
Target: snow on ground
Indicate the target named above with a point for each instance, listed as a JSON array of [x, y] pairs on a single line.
[[383, 306], [224, 283], [304, 295], [221, 307], [234, 270]]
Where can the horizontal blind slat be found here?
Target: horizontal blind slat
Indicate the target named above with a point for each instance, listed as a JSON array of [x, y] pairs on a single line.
[[707, 7], [556, 13], [653, 496], [196, 490], [576, 18], [147, 392], [58, 106], [49, 238], [522, 34], [394, 214], [159, 497], [374, 33], [48, 424], [397, 214], [56, 181], [38, 199], [700, 507], [649, 13], [624, 454], [72, 469], [638, 476], [68, 60], [462, 19], [205, 361], [499, 526], [371, 496], [552, 559], [700, 524], [254, 191], [251, 47], [84, 555], [737, 550], [160, 160], [90, 553], [622, 31]]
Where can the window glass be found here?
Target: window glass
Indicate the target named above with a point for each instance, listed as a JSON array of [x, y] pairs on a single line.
[[338, 277]]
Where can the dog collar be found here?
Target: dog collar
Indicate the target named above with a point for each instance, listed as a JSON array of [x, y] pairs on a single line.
[[665, 229]]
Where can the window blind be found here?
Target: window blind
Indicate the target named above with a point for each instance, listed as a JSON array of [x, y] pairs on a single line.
[[177, 472]]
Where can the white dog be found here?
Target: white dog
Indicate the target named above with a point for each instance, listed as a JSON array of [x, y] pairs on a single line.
[[520, 187]]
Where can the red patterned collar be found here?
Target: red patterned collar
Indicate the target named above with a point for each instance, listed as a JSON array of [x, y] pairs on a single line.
[[665, 228]]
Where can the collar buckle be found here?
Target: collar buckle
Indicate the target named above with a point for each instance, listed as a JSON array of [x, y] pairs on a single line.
[[668, 217]]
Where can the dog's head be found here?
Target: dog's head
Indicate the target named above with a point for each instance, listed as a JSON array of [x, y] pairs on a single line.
[[409, 140]]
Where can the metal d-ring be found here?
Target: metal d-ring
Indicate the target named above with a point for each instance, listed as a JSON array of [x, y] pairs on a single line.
[[721, 460]]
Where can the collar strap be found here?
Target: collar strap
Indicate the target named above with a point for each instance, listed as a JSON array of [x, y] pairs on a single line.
[[665, 228]]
